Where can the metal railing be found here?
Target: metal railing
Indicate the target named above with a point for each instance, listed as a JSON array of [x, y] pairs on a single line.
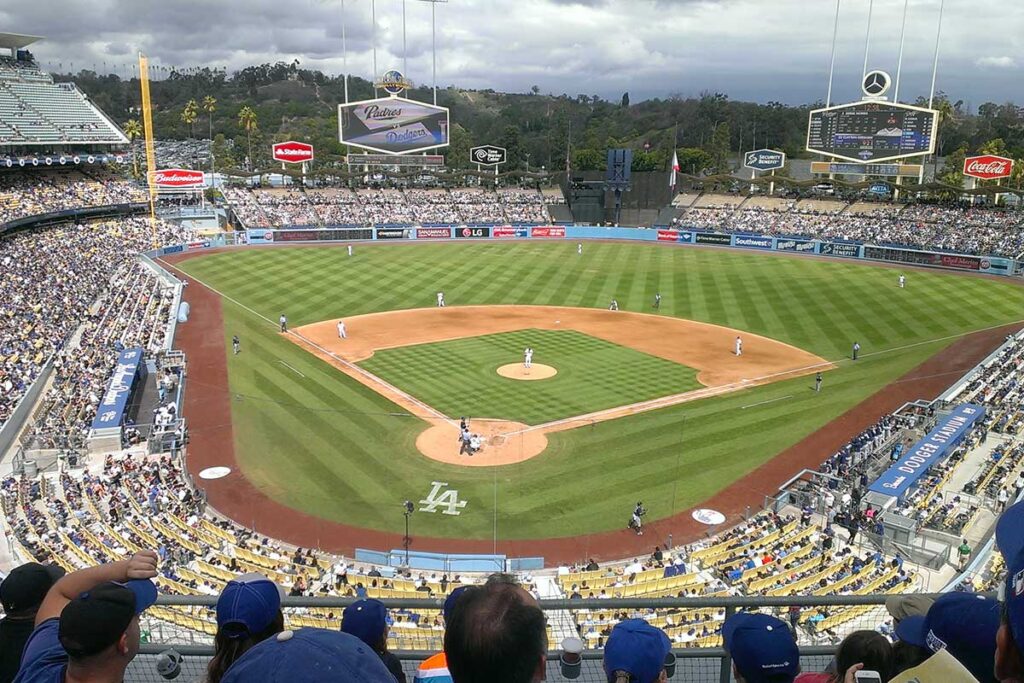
[[694, 664]]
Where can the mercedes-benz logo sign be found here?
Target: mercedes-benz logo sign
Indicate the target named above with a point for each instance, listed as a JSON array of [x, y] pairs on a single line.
[[876, 83]]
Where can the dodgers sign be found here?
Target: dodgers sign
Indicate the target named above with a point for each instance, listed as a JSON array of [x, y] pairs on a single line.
[[764, 159], [110, 411], [940, 442]]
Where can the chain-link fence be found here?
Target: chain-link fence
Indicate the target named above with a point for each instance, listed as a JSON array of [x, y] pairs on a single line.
[[186, 625]]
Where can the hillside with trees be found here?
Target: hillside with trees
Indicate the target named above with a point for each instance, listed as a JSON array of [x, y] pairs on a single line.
[[251, 108]]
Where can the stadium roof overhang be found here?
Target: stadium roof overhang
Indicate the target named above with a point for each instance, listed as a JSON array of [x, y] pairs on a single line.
[[16, 41]]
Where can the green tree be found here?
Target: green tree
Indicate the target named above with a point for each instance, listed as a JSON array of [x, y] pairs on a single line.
[[132, 130], [719, 148], [457, 155], [248, 121], [694, 160], [588, 159], [223, 157], [210, 106], [625, 100], [511, 142], [952, 169], [189, 115]]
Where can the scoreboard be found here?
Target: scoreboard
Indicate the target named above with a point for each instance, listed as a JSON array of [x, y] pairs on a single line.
[[872, 132]]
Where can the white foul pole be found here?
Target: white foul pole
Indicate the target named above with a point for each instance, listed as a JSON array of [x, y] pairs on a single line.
[[935, 60], [899, 62], [344, 49], [867, 39], [373, 33]]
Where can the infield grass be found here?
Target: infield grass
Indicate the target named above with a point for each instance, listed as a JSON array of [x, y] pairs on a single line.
[[328, 446], [459, 377]]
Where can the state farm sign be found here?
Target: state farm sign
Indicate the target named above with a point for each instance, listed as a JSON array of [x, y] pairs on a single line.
[[178, 177], [292, 152], [987, 167]]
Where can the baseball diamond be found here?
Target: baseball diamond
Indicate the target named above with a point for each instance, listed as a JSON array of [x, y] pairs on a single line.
[[322, 457]]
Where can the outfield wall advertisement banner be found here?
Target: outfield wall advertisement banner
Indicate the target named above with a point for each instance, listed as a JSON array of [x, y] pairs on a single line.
[[548, 231], [505, 232], [394, 233], [940, 442], [840, 249], [467, 233], [712, 238], [433, 233], [752, 242], [668, 235], [805, 246]]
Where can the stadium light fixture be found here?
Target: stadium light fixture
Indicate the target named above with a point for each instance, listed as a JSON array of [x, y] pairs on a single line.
[[407, 509]]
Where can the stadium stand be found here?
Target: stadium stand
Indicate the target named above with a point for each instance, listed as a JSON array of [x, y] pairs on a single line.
[[24, 194]]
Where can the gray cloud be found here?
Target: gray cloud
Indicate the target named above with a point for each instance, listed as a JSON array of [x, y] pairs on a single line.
[[750, 49]]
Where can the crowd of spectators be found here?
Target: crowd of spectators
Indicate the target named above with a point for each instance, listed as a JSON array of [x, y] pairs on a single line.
[[258, 208], [946, 228], [28, 194], [59, 279]]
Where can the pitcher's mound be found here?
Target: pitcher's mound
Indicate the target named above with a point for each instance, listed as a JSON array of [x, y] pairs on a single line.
[[501, 443], [518, 371]]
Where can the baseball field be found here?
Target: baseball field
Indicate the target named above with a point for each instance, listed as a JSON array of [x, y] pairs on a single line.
[[324, 435]]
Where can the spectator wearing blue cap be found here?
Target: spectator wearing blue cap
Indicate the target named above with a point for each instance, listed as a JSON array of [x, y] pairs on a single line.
[[1009, 663], [963, 624], [636, 653], [367, 620], [761, 647], [309, 655], [87, 628], [435, 669], [496, 634], [248, 612]]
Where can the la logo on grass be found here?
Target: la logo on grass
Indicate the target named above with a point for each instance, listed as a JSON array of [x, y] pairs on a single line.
[[448, 501]]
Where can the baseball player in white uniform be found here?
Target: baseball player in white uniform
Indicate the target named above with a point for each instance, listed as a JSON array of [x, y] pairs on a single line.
[[613, 306], [440, 299], [739, 346], [579, 249], [528, 357], [350, 250], [341, 330], [903, 280]]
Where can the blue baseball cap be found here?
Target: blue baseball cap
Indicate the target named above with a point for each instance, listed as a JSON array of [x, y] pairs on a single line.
[[1010, 539], [761, 647], [365, 619], [962, 623], [637, 648], [449, 602], [248, 605], [310, 655]]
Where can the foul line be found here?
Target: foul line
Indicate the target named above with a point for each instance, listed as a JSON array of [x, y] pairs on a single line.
[[292, 369], [350, 369], [761, 403]]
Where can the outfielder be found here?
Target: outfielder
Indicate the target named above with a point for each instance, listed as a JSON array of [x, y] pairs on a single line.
[[903, 280], [739, 346], [350, 250], [440, 299], [342, 334], [579, 249]]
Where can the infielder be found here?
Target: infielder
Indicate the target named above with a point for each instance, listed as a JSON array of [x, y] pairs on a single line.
[[856, 349], [236, 344], [341, 330], [613, 306], [350, 250], [440, 299], [739, 346], [528, 357], [817, 383], [284, 323], [903, 280], [657, 301]]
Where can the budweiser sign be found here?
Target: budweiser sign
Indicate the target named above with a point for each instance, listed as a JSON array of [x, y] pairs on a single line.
[[987, 167], [292, 152], [178, 177]]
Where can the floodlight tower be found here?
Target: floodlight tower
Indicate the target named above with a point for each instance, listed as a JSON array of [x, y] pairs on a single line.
[[433, 34]]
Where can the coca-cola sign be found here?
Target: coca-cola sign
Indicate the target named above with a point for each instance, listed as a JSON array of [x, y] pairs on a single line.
[[987, 167], [177, 177], [292, 152]]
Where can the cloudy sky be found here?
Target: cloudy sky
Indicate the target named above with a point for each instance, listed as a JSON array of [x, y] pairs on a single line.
[[750, 49]]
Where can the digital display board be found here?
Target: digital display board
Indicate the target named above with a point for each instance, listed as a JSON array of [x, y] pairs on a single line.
[[871, 132], [393, 125]]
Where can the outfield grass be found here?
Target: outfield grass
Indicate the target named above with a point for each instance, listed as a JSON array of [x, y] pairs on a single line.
[[326, 445], [459, 377]]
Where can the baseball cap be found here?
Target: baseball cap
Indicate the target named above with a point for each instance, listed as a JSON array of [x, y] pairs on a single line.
[[761, 647], [310, 655], [637, 648], [902, 606], [96, 619], [1010, 540], [365, 619], [449, 602], [248, 605], [27, 585], [965, 624]]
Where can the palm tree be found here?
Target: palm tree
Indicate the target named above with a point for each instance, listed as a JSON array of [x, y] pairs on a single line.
[[247, 120], [189, 115], [133, 129], [210, 106]]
